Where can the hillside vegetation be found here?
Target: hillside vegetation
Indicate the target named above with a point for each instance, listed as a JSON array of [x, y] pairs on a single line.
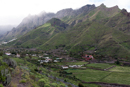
[[103, 31]]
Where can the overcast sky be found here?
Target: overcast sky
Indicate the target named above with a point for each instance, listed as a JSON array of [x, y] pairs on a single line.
[[13, 11]]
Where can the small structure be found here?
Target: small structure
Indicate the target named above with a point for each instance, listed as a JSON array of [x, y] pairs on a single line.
[[65, 67], [18, 55], [88, 57], [55, 61], [8, 54], [34, 55]]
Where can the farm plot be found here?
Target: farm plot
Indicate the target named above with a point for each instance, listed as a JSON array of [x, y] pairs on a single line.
[[99, 65]]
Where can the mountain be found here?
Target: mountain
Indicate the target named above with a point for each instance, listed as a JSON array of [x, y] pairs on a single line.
[[102, 31], [5, 28], [28, 23], [31, 22], [41, 34]]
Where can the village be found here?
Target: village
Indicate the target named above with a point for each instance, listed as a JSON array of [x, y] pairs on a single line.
[[62, 66], [46, 58]]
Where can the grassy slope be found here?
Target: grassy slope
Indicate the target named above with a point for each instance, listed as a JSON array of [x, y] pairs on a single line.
[[117, 74], [101, 32]]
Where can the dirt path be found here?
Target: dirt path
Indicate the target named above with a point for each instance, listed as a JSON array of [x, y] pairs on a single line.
[[16, 78]]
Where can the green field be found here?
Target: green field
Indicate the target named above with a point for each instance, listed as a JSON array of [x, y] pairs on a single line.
[[118, 74], [72, 63], [99, 65], [89, 75], [120, 78], [120, 69]]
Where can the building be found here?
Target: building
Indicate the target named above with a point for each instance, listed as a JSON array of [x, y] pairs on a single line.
[[88, 57], [65, 67], [8, 54]]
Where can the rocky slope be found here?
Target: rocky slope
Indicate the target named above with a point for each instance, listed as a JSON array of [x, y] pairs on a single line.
[[32, 22]]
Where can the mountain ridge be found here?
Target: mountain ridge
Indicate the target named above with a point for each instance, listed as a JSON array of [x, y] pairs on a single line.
[[31, 22], [101, 31]]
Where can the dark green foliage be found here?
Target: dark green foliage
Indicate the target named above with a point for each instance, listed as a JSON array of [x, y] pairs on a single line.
[[1, 85], [47, 85], [57, 23], [10, 62], [22, 54], [1, 53], [5, 57], [13, 52], [69, 86], [7, 80], [117, 62], [80, 85], [5, 76], [41, 82]]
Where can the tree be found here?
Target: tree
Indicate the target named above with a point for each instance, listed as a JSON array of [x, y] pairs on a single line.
[[47, 85], [80, 85], [41, 82]]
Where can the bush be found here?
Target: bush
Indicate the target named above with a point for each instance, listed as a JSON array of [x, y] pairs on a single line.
[[62, 85], [47, 85], [1, 85], [80, 85], [41, 82], [54, 85], [8, 79], [10, 62], [117, 62], [22, 81]]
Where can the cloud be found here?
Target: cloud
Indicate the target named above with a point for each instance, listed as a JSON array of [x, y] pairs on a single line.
[[13, 11]]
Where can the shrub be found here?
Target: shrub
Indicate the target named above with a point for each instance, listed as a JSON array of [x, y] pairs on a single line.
[[22, 81], [1, 85], [8, 79], [53, 84], [10, 62], [41, 82], [80, 85], [62, 85], [47, 85], [33, 77]]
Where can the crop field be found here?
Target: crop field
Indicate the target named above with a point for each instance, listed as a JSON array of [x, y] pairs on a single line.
[[120, 69], [118, 74], [89, 75], [72, 63], [99, 65], [116, 77]]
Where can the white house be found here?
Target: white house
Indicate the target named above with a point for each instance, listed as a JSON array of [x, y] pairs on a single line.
[[65, 67], [8, 54], [55, 61], [18, 55]]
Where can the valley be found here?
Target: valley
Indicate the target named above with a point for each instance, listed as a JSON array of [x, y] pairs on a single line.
[[86, 47]]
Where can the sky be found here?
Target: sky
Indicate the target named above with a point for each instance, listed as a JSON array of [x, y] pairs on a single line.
[[12, 12]]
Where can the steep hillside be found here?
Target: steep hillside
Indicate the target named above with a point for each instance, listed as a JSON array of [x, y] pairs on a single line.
[[103, 31], [32, 22], [5, 28], [28, 23], [41, 34]]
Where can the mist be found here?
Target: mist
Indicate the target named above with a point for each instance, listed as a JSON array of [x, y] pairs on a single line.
[[5, 28]]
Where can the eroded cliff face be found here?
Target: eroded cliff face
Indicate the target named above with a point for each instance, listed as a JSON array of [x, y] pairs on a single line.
[[124, 11]]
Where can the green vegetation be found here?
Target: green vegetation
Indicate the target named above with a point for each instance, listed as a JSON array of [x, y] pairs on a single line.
[[120, 69], [102, 32], [120, 78], [22, 81], [83, 34], [99, 65], [89, 75]]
